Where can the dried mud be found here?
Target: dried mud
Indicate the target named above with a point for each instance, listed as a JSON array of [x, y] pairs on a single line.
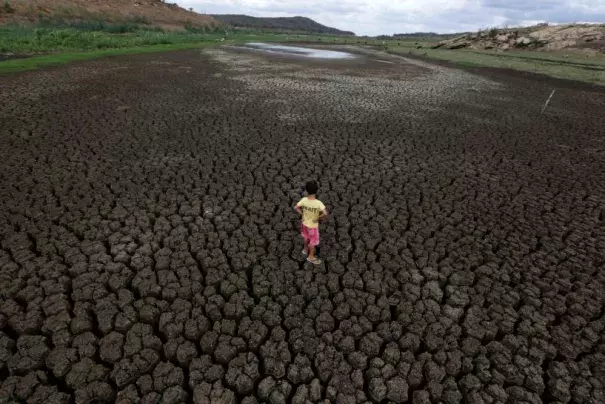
[[150, 254]]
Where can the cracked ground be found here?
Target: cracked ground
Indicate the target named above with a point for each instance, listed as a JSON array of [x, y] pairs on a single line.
[[150, 252]]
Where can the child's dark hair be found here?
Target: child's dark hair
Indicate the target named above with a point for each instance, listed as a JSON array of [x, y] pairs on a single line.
[[311, 187]]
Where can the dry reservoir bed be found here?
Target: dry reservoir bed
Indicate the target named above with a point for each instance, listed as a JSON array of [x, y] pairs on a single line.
[[150, 253]]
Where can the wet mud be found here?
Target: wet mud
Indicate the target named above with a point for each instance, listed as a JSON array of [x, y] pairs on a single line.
[[150, 252]]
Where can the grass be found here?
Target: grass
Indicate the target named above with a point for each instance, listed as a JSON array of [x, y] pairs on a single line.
[[59, 46], [574, 67], [28, 40], [88, 35], [59, 42], [39, 62]]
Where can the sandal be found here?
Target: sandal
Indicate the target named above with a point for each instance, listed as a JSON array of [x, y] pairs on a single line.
[[314, 261]]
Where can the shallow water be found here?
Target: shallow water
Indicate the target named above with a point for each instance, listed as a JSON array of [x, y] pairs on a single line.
[[301, 51]]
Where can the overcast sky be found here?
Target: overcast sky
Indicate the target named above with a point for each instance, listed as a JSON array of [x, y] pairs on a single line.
[[374, 17]]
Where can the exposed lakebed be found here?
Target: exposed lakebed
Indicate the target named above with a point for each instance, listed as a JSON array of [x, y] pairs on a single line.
[[163, 264]]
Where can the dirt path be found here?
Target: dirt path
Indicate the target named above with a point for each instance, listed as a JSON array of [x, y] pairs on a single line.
[[149, 252]]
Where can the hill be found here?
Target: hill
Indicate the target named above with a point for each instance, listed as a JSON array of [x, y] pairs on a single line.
[[587, 37], [301, 24], [143, 12]]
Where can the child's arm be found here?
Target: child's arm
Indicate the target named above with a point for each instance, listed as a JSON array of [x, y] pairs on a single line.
[[323, 216], [297, 208]]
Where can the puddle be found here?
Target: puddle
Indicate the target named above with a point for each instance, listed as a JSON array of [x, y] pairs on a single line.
[[300, 51]]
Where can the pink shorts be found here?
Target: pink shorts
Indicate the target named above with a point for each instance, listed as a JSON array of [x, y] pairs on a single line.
[[310, 235]]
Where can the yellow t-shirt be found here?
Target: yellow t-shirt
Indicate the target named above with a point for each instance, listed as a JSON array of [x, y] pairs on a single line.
[[311, 210]]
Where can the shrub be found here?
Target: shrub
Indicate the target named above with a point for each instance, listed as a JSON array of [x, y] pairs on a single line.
[[87, 25], [120, 28], [194, 28], [155, 28], [493, 32], [139, 19], [7, 7], [50, 38]]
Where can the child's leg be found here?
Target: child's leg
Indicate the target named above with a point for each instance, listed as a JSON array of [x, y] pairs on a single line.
[[313, 242], [305, 236]]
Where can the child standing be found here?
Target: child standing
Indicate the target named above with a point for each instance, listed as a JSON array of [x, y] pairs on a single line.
[[312, 211]]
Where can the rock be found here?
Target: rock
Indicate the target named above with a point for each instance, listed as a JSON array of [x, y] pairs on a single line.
[[421, 397], [458, 45], [315, 390], [85, 372], [535, 383], [31, 354], [174, 395], [266, 387], [110, 347], [145, 384], [243, 373], [452, 397], [523, 41], [61, 359], [502, 38], [377, 389], [392, 354], [166, 375], [370, 344], [186, 352], [358, 360], [432, 290], [559, 389], [397, 390], [470, 383]]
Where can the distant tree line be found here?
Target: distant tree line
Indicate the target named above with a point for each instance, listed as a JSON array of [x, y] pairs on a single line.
[[297, 24], [426, 35], [415, 34]]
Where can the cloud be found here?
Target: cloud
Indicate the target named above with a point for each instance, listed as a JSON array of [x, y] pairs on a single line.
[[374, 17]]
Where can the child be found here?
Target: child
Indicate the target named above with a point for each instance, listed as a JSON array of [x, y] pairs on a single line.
[[312, 211]]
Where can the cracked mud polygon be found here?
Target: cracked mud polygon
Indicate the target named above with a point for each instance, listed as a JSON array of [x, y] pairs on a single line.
[[150, 252]]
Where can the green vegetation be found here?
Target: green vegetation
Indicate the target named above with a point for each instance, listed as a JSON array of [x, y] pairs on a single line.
[[88, 37], [20, 65], [91, 35], [7, 8], [63, 42], [573, 66], [82, 40]]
